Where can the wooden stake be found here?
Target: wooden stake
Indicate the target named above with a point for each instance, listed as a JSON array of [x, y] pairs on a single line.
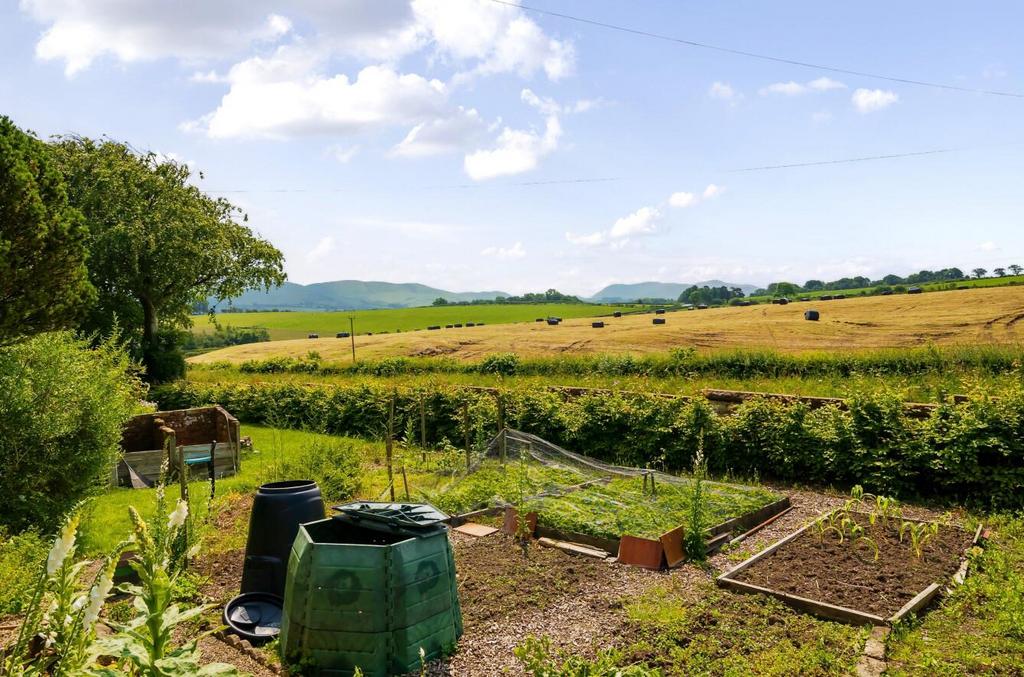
[[501, 427], [465, 431], [388, 445], [405, 482], [423, 428]]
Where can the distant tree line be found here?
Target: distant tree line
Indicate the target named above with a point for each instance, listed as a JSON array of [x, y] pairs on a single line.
[[861, 282], [710, 296], [550, 296]]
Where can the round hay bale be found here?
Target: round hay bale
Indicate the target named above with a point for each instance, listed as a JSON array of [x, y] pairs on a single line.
[[458, 326], [597, 325], [342, 334], [915, 290], [702, 307], [827, 297], [539, 319], [811, 315], [313, 336], [552, 322], [660, 311], [617, 313], [887, 292], [839, 297], [448, 326], [470, 324], [433, 327], [658, 320]]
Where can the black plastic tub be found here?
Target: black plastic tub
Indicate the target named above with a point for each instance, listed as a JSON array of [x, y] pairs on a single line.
[[277, 511], [255, 616]]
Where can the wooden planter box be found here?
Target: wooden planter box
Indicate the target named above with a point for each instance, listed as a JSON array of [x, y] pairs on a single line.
[[832, 611], [148, 438]]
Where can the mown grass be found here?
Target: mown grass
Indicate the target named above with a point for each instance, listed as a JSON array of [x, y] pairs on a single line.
[[292, 325]]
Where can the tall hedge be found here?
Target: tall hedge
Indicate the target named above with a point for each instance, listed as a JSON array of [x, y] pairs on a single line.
[[970, 451], [62, 408]]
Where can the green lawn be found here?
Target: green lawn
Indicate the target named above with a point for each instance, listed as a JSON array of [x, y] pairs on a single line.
[[291, 325]]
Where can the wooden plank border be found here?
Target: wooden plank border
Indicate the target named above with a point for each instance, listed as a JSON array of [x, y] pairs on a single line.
[[831, 611]]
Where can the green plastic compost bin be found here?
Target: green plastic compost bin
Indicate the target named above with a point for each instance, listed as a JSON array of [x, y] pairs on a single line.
[[369, 588]]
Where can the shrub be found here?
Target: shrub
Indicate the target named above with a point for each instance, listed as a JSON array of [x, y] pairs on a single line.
[[336, 467], [505, 364], [61, 415], [19, 558]]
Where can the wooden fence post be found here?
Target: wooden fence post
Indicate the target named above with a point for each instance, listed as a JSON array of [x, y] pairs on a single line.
[[501, 427], [465, 431], [423, 428], [388, 445]]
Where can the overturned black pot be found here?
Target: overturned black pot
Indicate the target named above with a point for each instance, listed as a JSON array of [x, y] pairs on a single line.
[[277, 511]]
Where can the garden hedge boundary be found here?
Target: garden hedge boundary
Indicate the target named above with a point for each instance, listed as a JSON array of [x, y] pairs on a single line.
[[963, 450]]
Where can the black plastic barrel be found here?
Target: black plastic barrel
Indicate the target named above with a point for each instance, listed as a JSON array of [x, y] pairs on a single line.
[[277, 511]]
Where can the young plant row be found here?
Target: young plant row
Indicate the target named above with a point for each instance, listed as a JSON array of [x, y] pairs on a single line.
[[967, 451]]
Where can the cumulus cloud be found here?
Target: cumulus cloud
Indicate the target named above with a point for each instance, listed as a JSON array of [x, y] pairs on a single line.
[[516, 251], [487, 37], [712, 191], [267, 100], [683, 199], [643, 221], [589, 240], [791, 88], [724, 91], [870, 100], [452, 133], [515, 151], [987, 246]]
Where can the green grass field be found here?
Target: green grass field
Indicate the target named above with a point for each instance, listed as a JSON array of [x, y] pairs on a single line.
[[292, 325]]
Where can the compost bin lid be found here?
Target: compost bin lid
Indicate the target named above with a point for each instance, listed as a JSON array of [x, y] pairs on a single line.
[[256, 616], [414, 515]]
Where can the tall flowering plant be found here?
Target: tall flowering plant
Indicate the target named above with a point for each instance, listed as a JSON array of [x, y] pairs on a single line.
[[60, 624], [145, 646]]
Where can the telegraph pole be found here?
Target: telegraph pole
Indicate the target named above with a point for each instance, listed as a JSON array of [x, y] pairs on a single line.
[[352, 334]]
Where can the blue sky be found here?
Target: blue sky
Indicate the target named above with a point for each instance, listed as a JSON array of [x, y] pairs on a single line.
[[414, 141]]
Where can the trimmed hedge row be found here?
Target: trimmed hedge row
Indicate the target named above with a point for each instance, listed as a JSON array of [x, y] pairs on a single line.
[[963, 452]]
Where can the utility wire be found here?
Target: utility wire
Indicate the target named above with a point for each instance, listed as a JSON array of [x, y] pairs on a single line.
[[439, 187], [843, 161], [755, 55]]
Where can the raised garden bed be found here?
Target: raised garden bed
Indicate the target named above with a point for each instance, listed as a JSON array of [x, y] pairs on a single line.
[[870, 576]]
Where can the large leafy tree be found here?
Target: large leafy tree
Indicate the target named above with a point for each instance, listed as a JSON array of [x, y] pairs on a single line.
[[43, 280], [158, 245]]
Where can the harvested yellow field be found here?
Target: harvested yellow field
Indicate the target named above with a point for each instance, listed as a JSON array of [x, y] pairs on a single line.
[[963, 317]]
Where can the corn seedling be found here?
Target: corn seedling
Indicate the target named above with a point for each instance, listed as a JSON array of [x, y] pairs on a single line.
[[920, 533]]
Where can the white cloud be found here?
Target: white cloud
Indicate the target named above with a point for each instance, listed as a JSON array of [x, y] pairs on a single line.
[[643, 221], [515, 151], [987, 246], [516, 251], [788, 88], [321, 250], [207, 77], [343, 154], [452, 133], [792, 88], [683, 199], [870, 100], [723, 91], [713, 191], [824, 84], [265, 100], [591, 240]]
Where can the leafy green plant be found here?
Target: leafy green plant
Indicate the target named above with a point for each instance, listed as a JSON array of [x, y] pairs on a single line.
[[18, 557], [697, 516], [538, 659], [145, 646], [920, 533]]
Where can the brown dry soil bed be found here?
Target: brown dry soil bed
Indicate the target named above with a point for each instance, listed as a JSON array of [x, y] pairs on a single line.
[[847, 574]]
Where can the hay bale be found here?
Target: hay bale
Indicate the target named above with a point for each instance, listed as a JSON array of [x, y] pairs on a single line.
[[811, 315], [552, 322], [827, 297], [470, 324], [597, 325], [660, 311], [839, 297], [617, 313], [702, 307], [448, 326], [433, 327], [539, 319], [658, 320], [458, 326], [915, 290], [313, 336], [342, 334]]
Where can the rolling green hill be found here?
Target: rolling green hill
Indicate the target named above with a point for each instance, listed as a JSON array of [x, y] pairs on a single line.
[[350, 294]]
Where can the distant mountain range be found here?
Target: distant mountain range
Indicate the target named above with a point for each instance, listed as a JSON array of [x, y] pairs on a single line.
[[617, 293], [360, 295], [349, 295]]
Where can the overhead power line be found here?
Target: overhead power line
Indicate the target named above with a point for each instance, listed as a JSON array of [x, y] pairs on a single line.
[[843, 161], [437, 187], [755, 55]]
